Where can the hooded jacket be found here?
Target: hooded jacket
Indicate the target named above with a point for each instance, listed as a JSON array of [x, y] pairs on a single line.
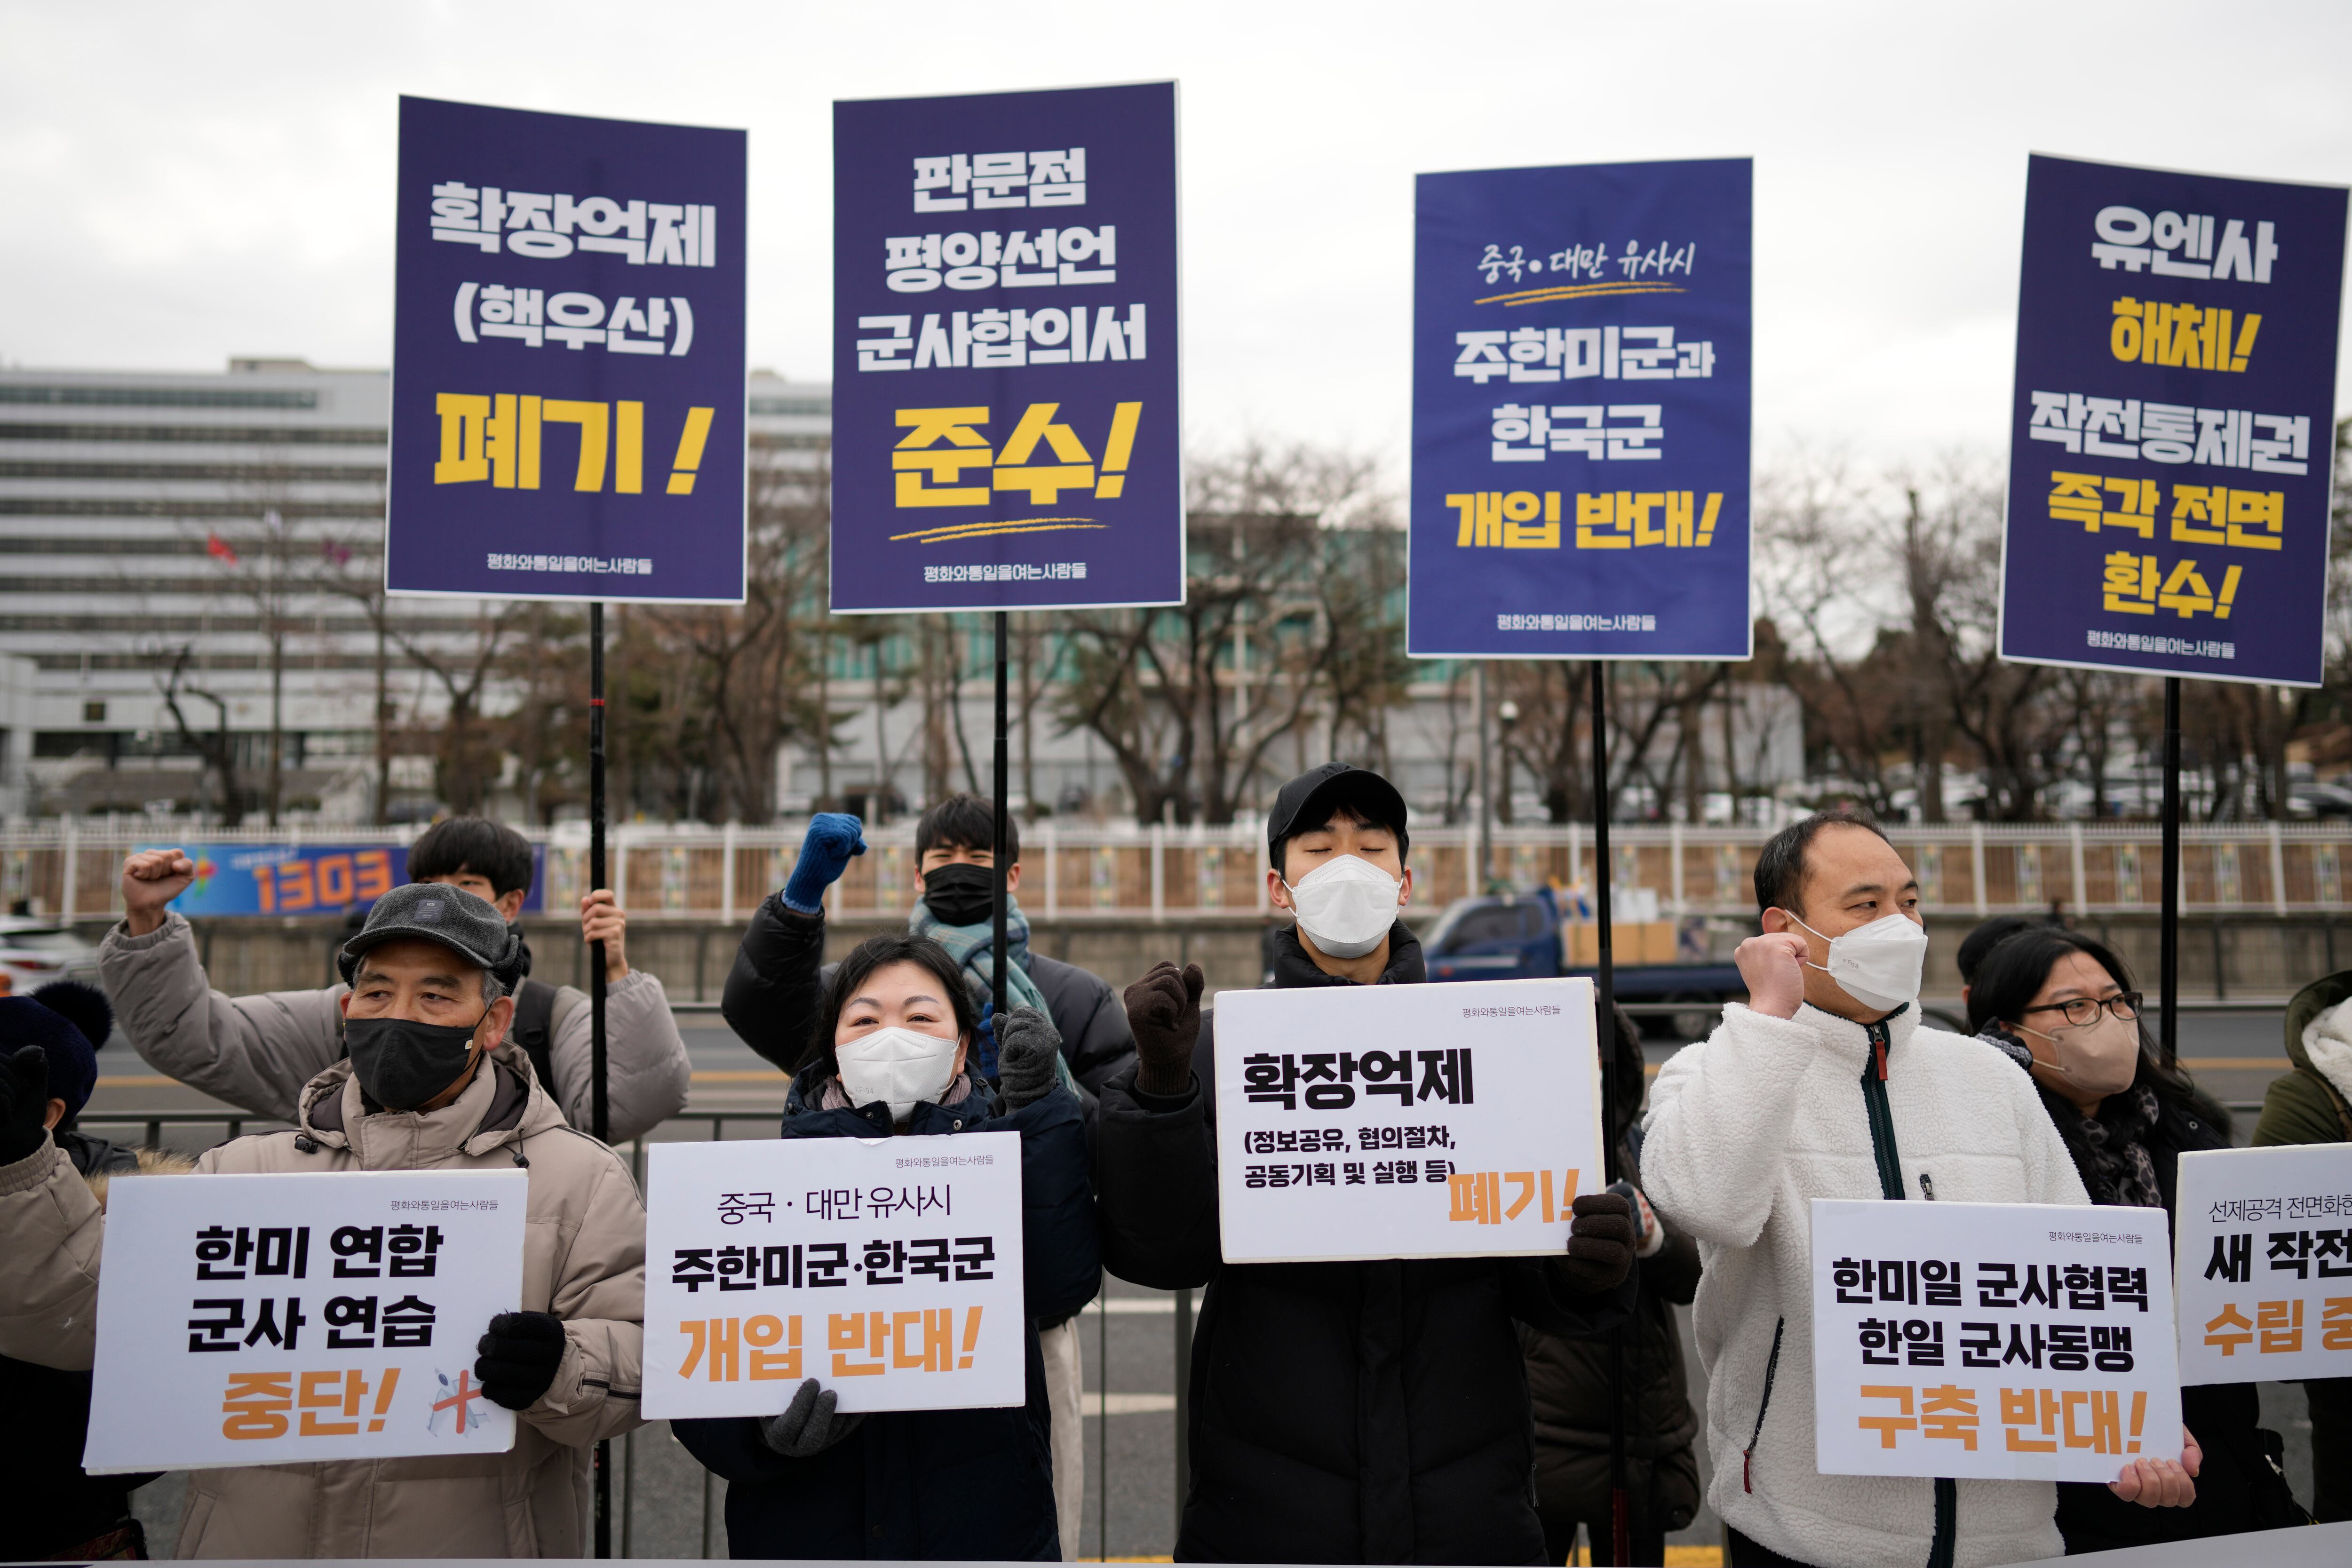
[[583, 1261], [918, 1484], [258, 1052], [1341, 1412], [1748, 1127]]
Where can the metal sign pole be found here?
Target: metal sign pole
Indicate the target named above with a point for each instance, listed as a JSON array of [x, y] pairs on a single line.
[[999, 856], [599, 1111], [2169, 960], [1621, 1521]]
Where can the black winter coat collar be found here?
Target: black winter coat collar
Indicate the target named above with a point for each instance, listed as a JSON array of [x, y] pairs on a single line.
[[1292, 967]]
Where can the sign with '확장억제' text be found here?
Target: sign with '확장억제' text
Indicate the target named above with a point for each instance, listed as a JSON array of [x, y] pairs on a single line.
[[889, 1268], [2263, 1239], [2172, 435], [567, 388], [1364, 1121], [272, 1319], [1999, 1341]]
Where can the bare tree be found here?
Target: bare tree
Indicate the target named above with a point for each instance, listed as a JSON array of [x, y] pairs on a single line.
[[216, 746]]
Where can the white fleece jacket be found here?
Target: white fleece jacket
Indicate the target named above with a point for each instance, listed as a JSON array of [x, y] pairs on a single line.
[[2327, 1042], [1745, 1128]]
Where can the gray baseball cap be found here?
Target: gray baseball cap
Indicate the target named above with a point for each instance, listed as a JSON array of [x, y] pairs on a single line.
[[436, 911]]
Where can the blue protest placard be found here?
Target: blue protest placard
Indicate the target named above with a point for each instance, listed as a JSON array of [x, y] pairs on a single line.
[[1580, 375], [1007, 430], [2172, 426], [306, 878], [567, 388]]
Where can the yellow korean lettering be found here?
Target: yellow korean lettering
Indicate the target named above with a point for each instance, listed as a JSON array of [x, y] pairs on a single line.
[[1521, 530], [2256, 509], [2130, 583], [1125, 417], [463, 461], [595, 420], [921, 451], [1045, 482], [1594, 513]]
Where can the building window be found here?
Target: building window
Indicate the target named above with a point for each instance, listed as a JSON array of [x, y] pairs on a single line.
[[93, 712]]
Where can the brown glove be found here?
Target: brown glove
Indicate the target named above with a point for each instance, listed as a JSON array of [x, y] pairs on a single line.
[[1600, 1243], [1163, 1008]]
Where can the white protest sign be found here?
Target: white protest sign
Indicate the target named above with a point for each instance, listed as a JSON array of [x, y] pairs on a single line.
[[1998, 1342], [887, 1268], [273, 1319], [2264, 1242], [1360, 1121]]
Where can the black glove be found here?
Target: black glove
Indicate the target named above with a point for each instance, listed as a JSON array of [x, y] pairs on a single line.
[[1163, 1008], [519, 1357], [1026, 1046], [24, 1102], [810, 1424], [1600, 1243]]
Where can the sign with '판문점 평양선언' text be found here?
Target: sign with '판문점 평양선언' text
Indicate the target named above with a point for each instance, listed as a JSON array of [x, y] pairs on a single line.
[[1364, 1121], [273, 1319], [889, 1270]]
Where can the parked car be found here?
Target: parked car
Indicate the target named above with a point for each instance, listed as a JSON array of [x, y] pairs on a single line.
[[33, 952], [1517, 936]]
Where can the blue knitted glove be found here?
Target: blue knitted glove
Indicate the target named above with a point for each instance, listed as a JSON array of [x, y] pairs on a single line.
[[832, 837], [984, 1041]]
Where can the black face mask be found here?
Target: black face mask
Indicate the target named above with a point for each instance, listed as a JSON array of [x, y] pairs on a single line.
[[962, 894], [401, 1063]]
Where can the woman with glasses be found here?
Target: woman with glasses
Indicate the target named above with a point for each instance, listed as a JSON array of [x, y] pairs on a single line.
[[2061, 1007]]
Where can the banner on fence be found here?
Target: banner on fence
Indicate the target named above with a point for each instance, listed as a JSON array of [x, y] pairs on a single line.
[[567, 389], [1006, 427], [306, 878], [2172, 426], [1580, 375], [2003, 1342], [2263, 1239], [276, 1319], [1360, 1121], [888, 1269]]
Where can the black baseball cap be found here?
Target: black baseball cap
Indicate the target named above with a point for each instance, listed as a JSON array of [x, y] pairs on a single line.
[[1307, 802], [469, 926]]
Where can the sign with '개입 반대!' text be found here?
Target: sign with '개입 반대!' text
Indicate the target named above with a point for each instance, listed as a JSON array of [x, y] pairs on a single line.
[[2000, 1342], [273, 1319], [2263, 1239], [567, 387], [1368, 1121], [889, 1270], [2171, 427], [1006, 426]]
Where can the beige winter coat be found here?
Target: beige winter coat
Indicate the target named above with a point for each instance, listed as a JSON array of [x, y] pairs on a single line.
[[583, 1261], [258, 1052]]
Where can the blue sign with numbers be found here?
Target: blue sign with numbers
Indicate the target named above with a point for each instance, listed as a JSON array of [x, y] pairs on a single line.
[[567, 389], [2172, 426], [1580, 375]]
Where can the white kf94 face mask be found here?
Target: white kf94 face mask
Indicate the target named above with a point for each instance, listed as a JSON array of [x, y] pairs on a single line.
[[1877, 964], [1345, 906], [901, 1067]]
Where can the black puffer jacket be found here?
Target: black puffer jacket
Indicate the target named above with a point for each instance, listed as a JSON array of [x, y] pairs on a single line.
[[1341, 1412], [929, 1485], [771, 994]]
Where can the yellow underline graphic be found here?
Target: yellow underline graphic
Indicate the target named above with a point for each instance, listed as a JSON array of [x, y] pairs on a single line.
[[976, 530], [1577, 291]]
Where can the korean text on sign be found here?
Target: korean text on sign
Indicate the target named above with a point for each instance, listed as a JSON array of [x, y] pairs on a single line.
[[1994, 1340], [1428, 1122], [267, 1319], [890, 1271], [2264, 1246]]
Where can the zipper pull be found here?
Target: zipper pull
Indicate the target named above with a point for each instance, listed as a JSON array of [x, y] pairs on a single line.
[[1927, 1186]]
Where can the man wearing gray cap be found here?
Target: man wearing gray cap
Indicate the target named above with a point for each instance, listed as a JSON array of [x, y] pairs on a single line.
[[431, 1083]]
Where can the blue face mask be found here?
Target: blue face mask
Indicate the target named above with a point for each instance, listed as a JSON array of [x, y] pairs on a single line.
[[402, 1063]]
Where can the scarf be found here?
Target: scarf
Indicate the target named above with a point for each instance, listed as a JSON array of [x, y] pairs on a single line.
[[2110, 1149], [973, 949], [833, 1097]]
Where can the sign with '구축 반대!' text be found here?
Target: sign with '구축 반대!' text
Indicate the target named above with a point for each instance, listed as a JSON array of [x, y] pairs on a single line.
[[2171, 428], [1006, 431], [1580, 375], [567, 387]]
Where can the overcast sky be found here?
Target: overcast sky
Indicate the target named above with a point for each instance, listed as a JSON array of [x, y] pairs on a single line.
[[184, 182]]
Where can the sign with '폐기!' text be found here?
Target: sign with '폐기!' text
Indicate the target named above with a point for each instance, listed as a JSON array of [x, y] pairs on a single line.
[[1363, 1122], [2172, 425], [567, 371], [2263, 1237], [1996, 1342], [1006, 427], [276, 1319], [889, 1268], [1580, 412]]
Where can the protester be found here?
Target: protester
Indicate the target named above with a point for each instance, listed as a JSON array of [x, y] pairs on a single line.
[[891, 1054], [431, 1083], [1341, 1412], [1570, 1379], [1981, 941], [2311, 1102], [1749, 1125], [258, 1052], [771, 993], [2062, 1007], [58, 1509]]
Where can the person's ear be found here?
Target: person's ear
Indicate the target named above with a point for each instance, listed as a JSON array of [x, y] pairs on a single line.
[[1405, 888], [1276, 894], [963, 1054], [343, 1002], [491, 1032], [1964, 997], [510, 904], [1013, 878], [55, 1113], [1775, 920]]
